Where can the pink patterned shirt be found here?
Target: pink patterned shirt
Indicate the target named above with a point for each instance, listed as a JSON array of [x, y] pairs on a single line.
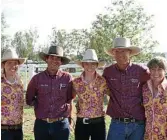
[[12, 101], [90, 96], [155, 111]]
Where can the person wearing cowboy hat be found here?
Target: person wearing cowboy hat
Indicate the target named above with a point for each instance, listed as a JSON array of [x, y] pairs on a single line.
[[12, 96], [125, 80], [50, 92], [90, 88]]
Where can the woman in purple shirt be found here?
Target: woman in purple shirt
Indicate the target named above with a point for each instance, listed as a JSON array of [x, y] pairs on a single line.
[[155, 100], [90, 88], [12, 97]]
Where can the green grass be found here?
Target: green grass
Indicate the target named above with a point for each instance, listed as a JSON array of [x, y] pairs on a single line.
[[28, 124], [28, 110], [29, 119], [28, 137]]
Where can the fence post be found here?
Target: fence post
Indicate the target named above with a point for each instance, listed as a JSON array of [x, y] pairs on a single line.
[[31, 72]]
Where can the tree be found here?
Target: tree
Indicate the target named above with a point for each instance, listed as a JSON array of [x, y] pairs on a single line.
[[24, 42], [123, 19], [5, 39], [74, 42]]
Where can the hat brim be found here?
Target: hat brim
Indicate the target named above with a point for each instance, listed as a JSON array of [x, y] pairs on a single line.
[[21, 60], [134, 50], [100, 63], [65, 60]]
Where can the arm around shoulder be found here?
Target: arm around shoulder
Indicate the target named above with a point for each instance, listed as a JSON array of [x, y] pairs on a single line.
[[145, 76]]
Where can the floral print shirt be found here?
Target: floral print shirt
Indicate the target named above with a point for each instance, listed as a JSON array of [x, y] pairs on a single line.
[[12, 101], [155, 111], [90, 96]]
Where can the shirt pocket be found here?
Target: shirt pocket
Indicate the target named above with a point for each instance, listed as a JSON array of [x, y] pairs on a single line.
[[135, 84], [63, 90]]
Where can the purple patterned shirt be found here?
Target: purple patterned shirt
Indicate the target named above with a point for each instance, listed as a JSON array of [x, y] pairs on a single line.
[[12, 102], [50, 95], [126, 91]]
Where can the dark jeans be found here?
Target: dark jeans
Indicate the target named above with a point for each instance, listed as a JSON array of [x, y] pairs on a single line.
[[126, 131], [96, 131], [51, 131], [12, 134]]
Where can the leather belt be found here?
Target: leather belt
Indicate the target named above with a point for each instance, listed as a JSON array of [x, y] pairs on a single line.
[[128, 120], [52, 120], [90, 120], [7, 127]]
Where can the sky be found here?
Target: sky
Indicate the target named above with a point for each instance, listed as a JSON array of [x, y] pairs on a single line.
[[70, 14]]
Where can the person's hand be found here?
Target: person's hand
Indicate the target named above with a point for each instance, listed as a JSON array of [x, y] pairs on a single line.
[[69, 119]]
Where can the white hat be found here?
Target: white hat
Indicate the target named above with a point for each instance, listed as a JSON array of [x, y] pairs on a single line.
[[123, 43], [10, 54], [90, 56]]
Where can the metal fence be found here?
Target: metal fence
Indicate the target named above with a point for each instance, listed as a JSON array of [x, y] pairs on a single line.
[[27, 71]]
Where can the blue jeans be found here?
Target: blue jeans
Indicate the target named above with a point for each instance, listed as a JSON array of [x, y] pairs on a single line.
[[59, 130], [12, 134], [126, 131]]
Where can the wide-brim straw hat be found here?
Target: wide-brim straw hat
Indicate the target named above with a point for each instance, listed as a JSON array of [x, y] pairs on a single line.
[[55, 51], [123, 43], [90, 56], [10, 54]]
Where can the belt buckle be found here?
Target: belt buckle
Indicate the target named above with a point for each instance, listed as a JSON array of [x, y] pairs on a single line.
[[15, 127], [84, 120], [60, 119], [49, 120], [133, 120], [126, 120]]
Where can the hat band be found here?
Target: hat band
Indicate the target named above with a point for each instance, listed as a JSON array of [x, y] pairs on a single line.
[[90, 60], [120, 47], [59, 55]]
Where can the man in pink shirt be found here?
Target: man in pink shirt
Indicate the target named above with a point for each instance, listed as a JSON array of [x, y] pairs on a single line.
[[125, 80]]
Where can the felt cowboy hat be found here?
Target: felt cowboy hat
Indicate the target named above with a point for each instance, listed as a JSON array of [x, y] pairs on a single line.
[[90, 56], [123, 43], [10, 54], [55, 51]]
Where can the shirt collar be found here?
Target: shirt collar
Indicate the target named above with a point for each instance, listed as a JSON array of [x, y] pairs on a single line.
[[17, 80], [82, 77], [127, 68], [58, 73], [161, 87]]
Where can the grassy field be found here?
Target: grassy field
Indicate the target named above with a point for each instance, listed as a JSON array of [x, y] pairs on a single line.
[[29, 118], [29, 123]]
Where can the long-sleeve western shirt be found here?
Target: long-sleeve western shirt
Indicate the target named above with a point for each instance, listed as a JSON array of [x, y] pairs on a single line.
[[50, 95], [126, 91]]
